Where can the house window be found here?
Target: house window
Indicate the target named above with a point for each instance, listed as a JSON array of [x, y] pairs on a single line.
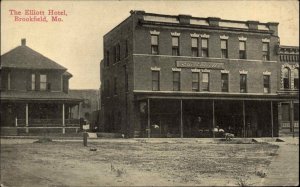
[[242, 50], [296, 78], [107, 58], [224, 50], [175, 45], [154, 44], [32, 81], [243, 83], [176, 80], [126, 48], [115, 86], [266, 83], [224, 82], [8, 81], [205, 81], [155, 80], [286, 78], [195, 49], [43, 82], [204, 47], [266, 55], [195, 81]]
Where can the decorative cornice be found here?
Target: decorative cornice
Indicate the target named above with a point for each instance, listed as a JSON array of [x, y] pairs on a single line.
[[243, 72], [195, 35], [224, 71], [176, 69], [175, 33], [296, 65], [242, 38], [205, 71], [224, 37], [195, 70], [154, 32], [204, 35], [266, 40], [155, 68], [266, 73]]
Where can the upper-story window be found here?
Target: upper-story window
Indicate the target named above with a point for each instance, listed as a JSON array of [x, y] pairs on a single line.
[[106, 88], [115, 85], [242, 50], [224, 82], [155, 80], [126, 48], [176, 80], [195, 48], [296, 78], [195, 81], [243, 83], [205, 81], [175, 45], [154, 44], [43, 82], [266, 55], [286, 78], [204, 47], [32, 81], [224, 49], [266, 79], [107, 58], [118, 55]]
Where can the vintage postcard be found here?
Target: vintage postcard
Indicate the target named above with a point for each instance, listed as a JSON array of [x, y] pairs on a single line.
[[149, 93]]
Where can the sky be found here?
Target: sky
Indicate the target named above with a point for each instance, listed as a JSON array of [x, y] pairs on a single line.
[[76, 42]]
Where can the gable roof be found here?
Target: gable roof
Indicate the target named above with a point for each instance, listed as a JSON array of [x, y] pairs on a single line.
[[26, 58]]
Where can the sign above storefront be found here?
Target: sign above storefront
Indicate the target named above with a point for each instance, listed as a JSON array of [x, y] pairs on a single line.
[[201, 65]]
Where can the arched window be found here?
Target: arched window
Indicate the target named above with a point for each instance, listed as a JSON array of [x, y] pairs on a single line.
[[296, 78], [286, 78]]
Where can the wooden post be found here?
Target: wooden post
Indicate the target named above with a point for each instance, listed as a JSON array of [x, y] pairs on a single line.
[[78, 110], [244, 119], [272, 122], [63, 119], [16, 121], [149, 130], [214, 121], [26, 117], [181, 122]]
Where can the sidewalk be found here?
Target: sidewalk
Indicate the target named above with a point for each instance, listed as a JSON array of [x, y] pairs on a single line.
[[284, 169]]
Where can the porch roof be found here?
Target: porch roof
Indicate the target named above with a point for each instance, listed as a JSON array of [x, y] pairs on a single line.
[[141, 95], [37, 96]]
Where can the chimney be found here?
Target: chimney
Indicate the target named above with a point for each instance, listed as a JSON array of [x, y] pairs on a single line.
[[23, 41]]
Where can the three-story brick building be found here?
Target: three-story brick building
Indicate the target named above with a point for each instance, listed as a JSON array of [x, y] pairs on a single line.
[[182, 76]]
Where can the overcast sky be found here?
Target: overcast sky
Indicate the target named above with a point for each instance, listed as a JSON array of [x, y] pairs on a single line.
[[77, 42]]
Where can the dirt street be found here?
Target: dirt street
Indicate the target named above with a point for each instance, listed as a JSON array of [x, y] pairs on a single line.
[[135, 162]]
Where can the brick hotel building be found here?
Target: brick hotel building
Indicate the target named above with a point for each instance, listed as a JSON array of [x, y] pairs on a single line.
[[182, 76]]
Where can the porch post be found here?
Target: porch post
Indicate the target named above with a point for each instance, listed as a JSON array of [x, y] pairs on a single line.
[[244, 119], [181, 123], [214, 121], [26, 117], [272, 122], [292, 117], [78, 110], [63, 119], [148, 105]]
